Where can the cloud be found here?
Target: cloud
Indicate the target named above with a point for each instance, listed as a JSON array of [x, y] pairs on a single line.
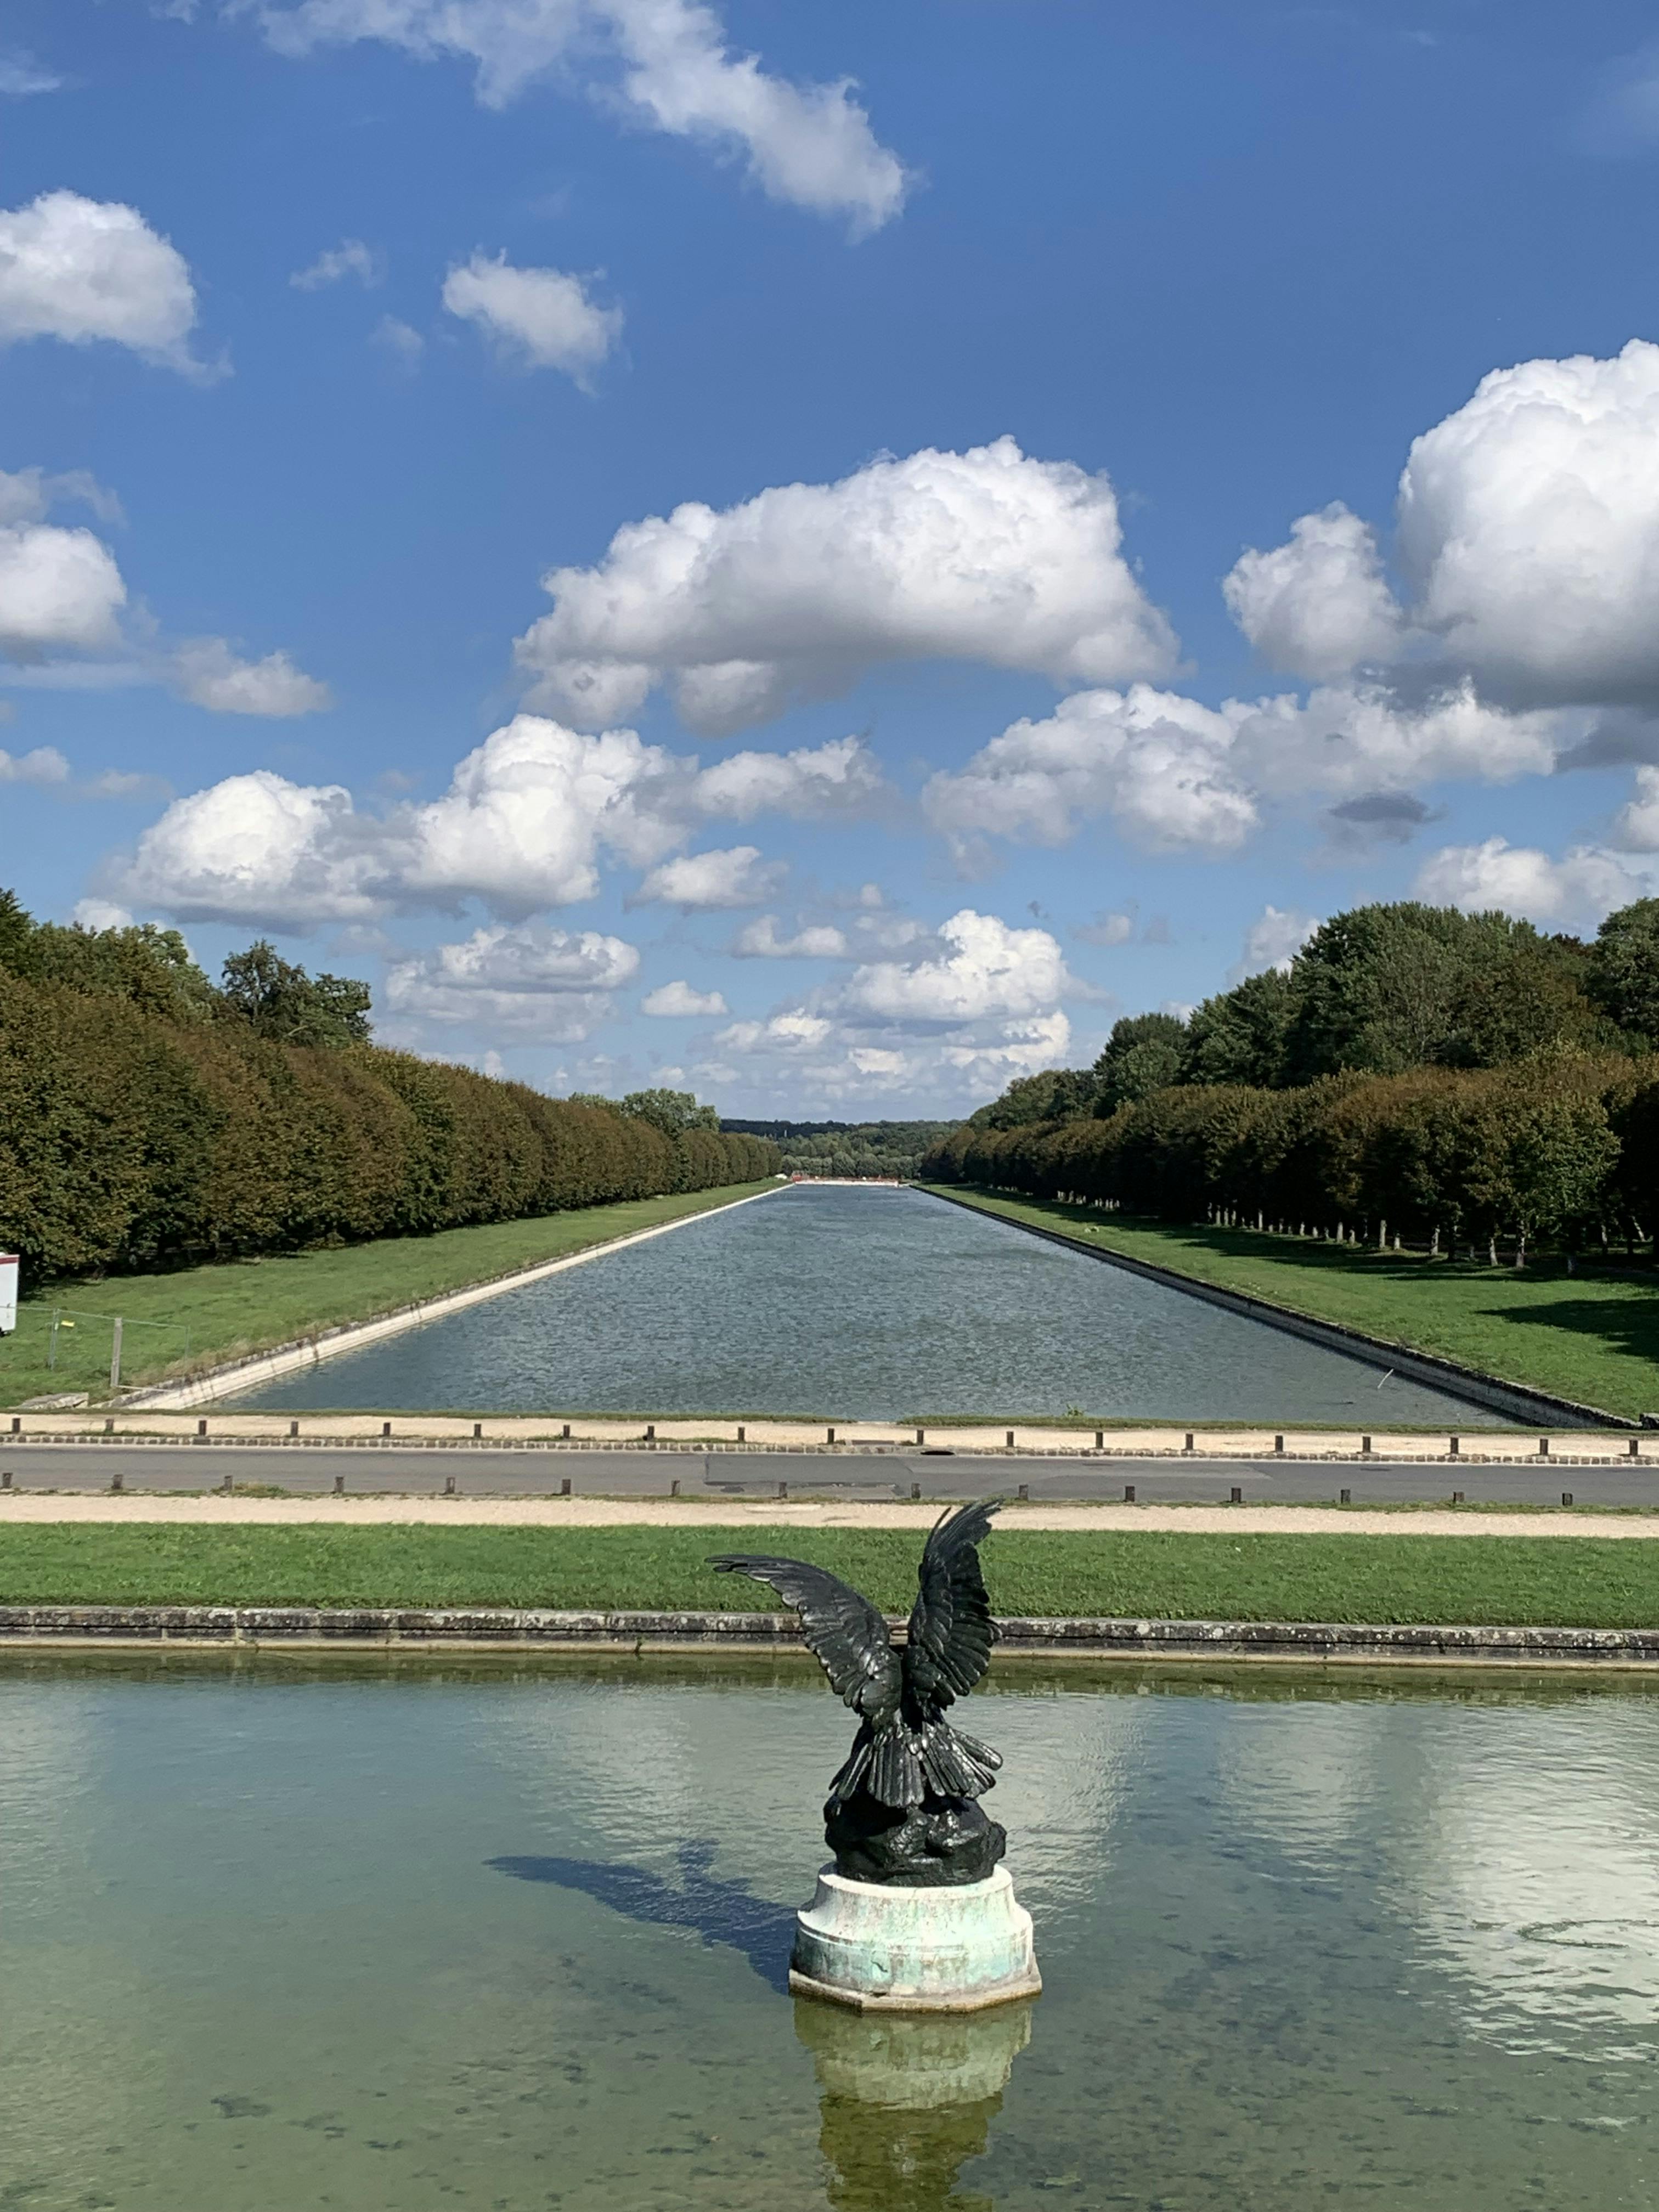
[[982, 968], [549, 985], [737, 877], [82, 270], [1389, 817], [29, 494], [528, 818], [208, 674], [759, 941], [350, 258], [1273, 941], [405, 345], [44, 767], [1160, 765], [22, 78], [984, 555], [1319, 605], [1527, 541], [809, 146], [59, 590], [839, 780], [99, 914], [1107, 929], [822, 1060], [679, 999], [1622, 117], [540, 318], [1579, 889], [1637, 828]]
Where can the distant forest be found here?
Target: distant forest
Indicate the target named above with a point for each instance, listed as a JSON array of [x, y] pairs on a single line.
[[150, 1116], [848, 1148], [1413, 1071]]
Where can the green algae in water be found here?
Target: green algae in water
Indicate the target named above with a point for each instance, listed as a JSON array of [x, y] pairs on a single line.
[[397, 1936]]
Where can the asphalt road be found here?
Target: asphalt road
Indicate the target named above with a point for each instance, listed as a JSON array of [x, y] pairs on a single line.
[[312, 1470]]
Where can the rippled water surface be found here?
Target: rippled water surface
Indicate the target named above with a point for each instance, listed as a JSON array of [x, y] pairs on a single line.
[[865, 1305], [392, 1937]]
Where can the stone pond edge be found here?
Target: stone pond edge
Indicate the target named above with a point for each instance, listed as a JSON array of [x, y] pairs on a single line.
[[460, 1629]]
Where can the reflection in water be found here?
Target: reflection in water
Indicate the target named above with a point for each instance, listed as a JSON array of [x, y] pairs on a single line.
[[907, 2100]]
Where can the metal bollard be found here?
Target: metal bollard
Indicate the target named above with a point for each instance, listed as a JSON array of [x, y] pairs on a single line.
[[567, 1432], [915, 1490], [674, 1489], [201, 1428], [115, 1480], [1365, 1446], [449, 1486], [1128, 1494], [922, 1436], [1457, 1498], [829, 1436], [564, 1487], [1455, 1444], [1566, 1497], [651, 1433], [783, 1489], [1011, 1440], [1189, 1444], [743, 1434], [225, 1486], [1345, 1498], [1279, 1444], [5, 1480], [294, 1428], [386, 1428], [1235, 1496], [1543, 1446], [109, 1428], [1024, 1491], [17, 1425], [1635, 1445], [1100, 1439], [339, 1485]]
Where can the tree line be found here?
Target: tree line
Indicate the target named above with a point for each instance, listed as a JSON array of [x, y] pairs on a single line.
[[1415, 1072], [852, 1148], [151, 1117]]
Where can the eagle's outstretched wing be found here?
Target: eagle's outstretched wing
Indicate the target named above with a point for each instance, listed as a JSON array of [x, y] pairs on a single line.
[[848, 1636], [952, 1630]]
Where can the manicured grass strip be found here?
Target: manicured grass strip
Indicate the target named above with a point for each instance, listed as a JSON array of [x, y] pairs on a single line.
[[197, 1316], [1591, 1339], [1561, 1581]]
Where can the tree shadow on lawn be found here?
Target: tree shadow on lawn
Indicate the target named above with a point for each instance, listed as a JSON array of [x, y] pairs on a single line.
[[725, 1912], [1627, 1326]]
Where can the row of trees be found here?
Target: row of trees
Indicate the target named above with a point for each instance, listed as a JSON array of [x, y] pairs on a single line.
[[852, 1148], [1379, 990], [1563, 1149], [148, 1116]]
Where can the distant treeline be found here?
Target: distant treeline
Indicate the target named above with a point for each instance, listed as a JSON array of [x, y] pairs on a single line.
[[848, 1148], [1463, 1079], [149, 1117]]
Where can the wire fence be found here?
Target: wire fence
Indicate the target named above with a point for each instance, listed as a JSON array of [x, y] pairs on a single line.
[[79, 1348]]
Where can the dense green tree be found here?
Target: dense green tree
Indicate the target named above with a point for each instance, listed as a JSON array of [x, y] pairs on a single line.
[[1378, 988], [673, 1112], [281, 1001], [1623, 978], [1239, 1036], [1059, 1094], [1142, 1054]]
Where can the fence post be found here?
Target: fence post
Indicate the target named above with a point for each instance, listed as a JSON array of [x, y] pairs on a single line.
[[115, 1357]]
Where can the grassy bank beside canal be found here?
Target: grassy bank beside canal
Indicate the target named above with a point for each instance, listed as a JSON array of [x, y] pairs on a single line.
[[1593, 1338], [1496, 1580], [196, 1317]]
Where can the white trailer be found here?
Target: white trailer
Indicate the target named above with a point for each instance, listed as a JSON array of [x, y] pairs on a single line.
[[8, 1292]]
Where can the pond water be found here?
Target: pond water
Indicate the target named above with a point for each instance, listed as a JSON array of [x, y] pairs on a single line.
[[859, 1305], [398, 1936]]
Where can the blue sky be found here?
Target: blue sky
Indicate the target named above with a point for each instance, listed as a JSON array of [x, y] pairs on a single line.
[[823, 554]]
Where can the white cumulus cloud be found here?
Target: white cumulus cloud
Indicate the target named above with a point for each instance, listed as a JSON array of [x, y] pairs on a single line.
[[679, 1000], [82, 270], [1637, 828], [59, 589], [541, 318], [1576, 892], [1160, 765], [759, 941], [737, 877], [544, 985], [984, 555], [982, 968], [44, 767], [350, 258], [665, 62], [1273, 941], [208, 674], [840, 779], [1320, 605]]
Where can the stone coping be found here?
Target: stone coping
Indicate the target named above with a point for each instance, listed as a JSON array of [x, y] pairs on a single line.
[[378, 1628], [851, 1439]]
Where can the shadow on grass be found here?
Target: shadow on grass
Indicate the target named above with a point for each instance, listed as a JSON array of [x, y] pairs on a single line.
[[1629, 1326], [723, 1912]]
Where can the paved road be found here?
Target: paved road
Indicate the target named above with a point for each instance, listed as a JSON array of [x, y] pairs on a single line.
[[312, 1470]]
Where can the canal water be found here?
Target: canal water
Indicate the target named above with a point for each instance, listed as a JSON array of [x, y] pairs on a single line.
[[403, 1936], [872, 1304]]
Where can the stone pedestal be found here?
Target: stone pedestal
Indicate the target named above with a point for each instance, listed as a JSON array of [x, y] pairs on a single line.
[[883, 1948]]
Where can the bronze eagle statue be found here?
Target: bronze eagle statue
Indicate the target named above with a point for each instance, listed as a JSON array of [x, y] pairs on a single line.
[[903, 1809]]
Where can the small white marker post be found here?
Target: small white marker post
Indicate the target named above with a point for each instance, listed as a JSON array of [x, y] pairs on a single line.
[[115, 1357]]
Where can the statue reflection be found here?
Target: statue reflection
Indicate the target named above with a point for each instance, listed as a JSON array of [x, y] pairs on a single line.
[[907, 2098]]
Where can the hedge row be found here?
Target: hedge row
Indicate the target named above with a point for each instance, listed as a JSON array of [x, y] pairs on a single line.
[[1563, 1149], [129, 1141]]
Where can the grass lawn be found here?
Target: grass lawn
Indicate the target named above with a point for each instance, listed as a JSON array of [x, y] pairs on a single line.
[[197, 1317], [1595, 1340], [1496, 1580]]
